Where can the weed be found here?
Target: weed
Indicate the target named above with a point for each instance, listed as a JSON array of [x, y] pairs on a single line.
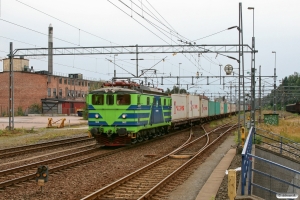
[[257, 139]]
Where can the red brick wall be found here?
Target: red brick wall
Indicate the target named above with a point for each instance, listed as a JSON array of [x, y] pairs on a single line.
[[29, 88]]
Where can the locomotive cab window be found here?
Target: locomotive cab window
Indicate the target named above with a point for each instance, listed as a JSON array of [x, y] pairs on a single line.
[[110, 99], [123, 99], [97, 99]]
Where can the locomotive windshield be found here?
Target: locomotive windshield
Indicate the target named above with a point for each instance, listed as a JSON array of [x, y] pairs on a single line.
[[97, 99], [123, 99]]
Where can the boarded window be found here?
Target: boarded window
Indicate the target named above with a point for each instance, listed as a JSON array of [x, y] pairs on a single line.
[[49, 92], [54, 92], [97, 99]]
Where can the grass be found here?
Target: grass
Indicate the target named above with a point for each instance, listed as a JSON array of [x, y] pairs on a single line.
[[288, 127]]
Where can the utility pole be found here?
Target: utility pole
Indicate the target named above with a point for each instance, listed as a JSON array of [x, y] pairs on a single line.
[[137, 61], [11, 87], [259, 117]]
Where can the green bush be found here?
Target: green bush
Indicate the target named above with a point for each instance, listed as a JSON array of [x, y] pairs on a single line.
[[257, 140], [20, 111], [35, 109]]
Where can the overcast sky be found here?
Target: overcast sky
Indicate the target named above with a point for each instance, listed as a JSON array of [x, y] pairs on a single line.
[[106, 23]]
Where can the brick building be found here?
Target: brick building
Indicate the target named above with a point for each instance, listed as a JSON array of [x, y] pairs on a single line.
[[54, 94]]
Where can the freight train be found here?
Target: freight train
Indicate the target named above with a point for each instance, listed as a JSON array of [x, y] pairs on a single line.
[[123, 113], [293, 108]]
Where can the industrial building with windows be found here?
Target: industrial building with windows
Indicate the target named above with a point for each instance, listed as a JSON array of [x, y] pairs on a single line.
[[53, 94]]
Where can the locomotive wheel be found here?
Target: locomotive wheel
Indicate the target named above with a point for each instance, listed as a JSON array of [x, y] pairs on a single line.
[[162, 130], [154, 135], [145, 136], [133, 140], [158, 132], [139, 137]]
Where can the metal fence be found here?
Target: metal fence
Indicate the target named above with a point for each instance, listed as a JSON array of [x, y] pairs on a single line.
[[279, 143], [270, 178], [266, 178], [246, 159]]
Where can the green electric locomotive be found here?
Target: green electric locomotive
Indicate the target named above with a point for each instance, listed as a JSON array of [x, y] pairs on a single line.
[[126, 113]]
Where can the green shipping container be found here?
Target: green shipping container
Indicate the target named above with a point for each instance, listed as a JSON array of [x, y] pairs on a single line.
[[271, 119], [211, 108], [218, 108]]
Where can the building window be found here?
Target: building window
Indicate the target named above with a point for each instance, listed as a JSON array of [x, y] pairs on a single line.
[[67, 92], [54, 92], [65, 81], [79, 83], [69, 82], [60, 93], [49, 92], [72, 82], [60, 80]]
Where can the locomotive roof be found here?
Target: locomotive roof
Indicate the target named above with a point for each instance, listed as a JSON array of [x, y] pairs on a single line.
[[121, 90], [117, 90]]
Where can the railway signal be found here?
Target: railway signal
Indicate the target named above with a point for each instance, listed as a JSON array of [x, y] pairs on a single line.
[[42, 175]]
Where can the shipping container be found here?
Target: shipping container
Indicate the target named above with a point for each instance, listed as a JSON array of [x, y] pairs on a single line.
[[203, 107], [179, 107], [217, 108], [226, 108], [211, 108], [222, 107], [193, 106]]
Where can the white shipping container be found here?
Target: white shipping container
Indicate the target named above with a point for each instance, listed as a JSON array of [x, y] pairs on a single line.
[[203, 108], [193, 106], [233, 107], [228, 108], [179, 107], [222, 107]]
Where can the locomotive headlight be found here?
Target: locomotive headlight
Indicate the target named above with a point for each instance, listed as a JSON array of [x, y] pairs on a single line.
[[124, 116], [97, 116]]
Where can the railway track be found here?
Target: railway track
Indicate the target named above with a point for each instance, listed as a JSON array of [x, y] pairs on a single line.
[[146, 182], [27, 172], [14, 151]]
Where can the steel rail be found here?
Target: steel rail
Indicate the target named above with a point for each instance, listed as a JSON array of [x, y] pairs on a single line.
[[35, 147], [71, 164], [149, 193]]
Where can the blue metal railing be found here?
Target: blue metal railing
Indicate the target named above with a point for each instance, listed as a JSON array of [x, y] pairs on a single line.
[[250, 183], [247, 166], [246, 159]]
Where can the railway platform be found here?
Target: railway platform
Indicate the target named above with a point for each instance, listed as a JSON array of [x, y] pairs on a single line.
[[211, 187], [38, 121]]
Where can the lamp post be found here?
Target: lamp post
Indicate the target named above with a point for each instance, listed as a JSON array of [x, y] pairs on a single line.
[[253, 76], [274, 98], [179, 79], [115, 65]]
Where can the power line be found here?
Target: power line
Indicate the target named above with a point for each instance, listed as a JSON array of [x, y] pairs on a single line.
[[64, 22], [37, 31]]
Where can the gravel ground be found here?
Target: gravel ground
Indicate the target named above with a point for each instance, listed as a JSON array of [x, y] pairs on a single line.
[[80, 181]]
